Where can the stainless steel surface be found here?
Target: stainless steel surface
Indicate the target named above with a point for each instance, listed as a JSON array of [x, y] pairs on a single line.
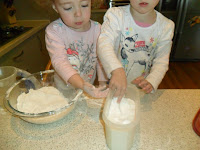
[[187, 39], [179, 15], [159, 7], [8, 33], [183, 17], [116, 3]]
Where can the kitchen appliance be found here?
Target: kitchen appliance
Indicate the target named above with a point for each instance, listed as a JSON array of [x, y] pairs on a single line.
[[116, 3], [9, 29], [186, 16], [8, 33]]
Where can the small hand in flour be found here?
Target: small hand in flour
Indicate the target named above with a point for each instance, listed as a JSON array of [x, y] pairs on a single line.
[[118, 83], [99, 92]]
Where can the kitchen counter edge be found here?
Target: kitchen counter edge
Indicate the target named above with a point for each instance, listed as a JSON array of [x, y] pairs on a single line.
[[37, 26]]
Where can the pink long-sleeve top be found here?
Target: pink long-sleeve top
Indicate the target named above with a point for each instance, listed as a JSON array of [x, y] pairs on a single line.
[[73, 52]]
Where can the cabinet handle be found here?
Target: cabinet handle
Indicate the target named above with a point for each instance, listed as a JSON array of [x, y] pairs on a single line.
[[16, 57]]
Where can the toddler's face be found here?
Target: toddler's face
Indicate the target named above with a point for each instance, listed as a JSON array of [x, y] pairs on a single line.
[[74, 13], [144, 6]]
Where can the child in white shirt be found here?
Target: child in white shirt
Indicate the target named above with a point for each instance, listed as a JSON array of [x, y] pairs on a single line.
[[71, 43], [134, 46]]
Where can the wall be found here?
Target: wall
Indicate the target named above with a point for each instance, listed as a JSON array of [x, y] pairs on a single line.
[[42, 9], [34, 10]]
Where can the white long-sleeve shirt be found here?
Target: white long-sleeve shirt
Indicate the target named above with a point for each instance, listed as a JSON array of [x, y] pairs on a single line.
[[73, 52], [140, 50]]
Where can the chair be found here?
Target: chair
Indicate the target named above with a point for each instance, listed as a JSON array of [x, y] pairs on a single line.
[[49, 65]]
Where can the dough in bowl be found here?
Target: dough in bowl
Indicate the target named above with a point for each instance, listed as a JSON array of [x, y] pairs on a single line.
[[41, 100]]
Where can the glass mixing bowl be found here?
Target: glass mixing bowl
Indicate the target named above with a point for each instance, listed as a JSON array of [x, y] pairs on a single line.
[[37, 81]]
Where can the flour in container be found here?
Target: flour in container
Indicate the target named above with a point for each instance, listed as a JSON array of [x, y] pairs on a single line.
[[123, 113], [44, 99]]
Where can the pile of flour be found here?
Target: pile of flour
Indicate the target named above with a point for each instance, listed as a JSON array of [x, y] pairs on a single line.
[[123, 112], [44, 99]]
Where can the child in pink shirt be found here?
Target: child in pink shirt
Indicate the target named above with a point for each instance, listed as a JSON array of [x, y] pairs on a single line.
[[71, 43]]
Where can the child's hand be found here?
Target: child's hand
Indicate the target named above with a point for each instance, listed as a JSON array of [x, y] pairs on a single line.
[[99, 92], [143, 84], [118, 83]]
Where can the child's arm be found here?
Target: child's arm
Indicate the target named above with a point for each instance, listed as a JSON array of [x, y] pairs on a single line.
[[107, 48], [118, 82], [77, 82], [63, 67], [108, 42], [162, 54], [101, 74], [57, 52]]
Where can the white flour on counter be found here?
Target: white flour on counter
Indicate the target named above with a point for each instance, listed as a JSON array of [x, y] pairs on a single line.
[[44, 99], [123, 113]]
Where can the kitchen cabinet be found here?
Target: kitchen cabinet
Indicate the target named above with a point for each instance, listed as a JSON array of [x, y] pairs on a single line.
[[97, 15], [30, 55]]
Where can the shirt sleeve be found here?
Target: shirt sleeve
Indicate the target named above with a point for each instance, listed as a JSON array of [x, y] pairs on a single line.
[[108, 43], [162, 54], [56, 49], [100, 72]]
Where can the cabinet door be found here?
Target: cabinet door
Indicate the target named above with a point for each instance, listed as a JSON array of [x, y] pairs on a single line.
[[31, 55], [97, 15]]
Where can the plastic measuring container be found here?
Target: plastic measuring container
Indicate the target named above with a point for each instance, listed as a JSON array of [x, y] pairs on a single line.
[[121, 136], [8, 76]]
